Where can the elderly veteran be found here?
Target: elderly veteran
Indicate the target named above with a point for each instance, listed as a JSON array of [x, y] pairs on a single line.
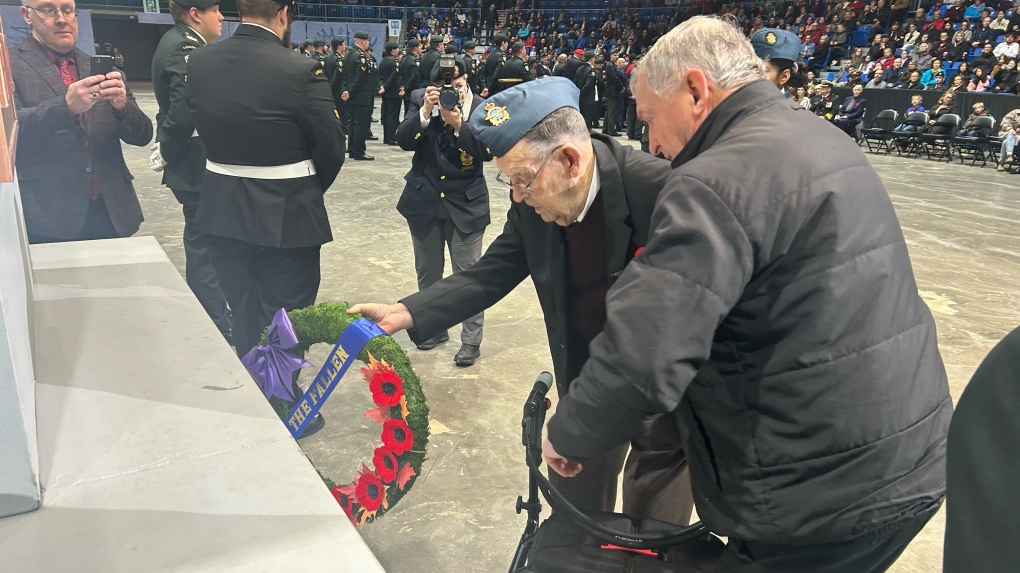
[[774, 312], [581, 211]]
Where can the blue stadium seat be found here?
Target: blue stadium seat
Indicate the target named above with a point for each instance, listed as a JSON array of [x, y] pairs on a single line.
[[858, 38]]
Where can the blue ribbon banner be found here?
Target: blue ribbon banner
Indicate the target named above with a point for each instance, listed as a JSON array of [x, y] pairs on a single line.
[[352, 341]]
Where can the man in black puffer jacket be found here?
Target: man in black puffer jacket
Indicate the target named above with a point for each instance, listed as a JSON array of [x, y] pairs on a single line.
[[775, 312]]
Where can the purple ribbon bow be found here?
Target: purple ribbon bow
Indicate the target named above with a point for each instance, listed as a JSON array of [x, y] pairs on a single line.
[[272, 366]]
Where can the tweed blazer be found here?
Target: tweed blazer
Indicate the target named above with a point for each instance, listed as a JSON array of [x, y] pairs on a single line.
[[58, 152]]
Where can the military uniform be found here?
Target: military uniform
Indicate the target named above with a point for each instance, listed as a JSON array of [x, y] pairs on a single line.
[[587, 80], [430, 58], [185, 158], [513, 72], [492, 70], [390, 82], [471, 67], [361, 86], [274, 144], [336, 87], [827, 106], [410, 75]]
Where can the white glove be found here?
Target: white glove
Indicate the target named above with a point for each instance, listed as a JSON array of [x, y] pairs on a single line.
[[156, 162]]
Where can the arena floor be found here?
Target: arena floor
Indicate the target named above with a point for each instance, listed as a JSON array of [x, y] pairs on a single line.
[[962, 224]]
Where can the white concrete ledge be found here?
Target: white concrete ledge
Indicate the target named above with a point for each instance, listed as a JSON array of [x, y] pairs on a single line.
[[157, 450]]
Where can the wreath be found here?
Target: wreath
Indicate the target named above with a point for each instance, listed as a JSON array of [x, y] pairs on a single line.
[[400, 410]]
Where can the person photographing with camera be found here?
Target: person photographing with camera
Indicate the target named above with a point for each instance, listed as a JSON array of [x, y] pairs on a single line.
[[445, 200]]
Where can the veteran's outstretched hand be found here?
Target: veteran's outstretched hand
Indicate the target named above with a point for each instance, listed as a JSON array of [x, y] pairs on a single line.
[[390, 317]]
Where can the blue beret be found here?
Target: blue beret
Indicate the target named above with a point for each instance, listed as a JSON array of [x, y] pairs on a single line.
[[773, 44], [503, 119]]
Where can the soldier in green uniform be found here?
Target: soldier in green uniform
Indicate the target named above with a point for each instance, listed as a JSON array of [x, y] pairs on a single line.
[[178, 153], [515, 70], [494, 64], [431, 55], [471, 65], [392, 90], [359, 89], [410, 71], [334, 68]]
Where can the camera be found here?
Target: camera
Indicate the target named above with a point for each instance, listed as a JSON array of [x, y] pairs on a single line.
[[449, 97]]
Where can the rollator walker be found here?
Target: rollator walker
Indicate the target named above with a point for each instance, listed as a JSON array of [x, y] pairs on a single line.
[[572, 541]]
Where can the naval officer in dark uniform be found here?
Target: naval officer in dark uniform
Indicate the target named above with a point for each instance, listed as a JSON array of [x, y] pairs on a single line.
[[179, 153], [359, 89], [468, 53], [274, 144], [582, 209], [392, 90], [410, 72]]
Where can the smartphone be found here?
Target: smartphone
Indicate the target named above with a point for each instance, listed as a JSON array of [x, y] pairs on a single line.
[[100, 65]]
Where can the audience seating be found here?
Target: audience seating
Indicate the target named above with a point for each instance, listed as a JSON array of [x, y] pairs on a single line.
[[880, 131]]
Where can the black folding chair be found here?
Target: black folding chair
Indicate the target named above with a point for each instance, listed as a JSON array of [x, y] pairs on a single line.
[[979, 145], [880, 131], [940, 138], [906, 141]]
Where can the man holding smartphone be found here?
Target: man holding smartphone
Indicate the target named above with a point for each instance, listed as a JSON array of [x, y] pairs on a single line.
[[179, 152], [74, 182]]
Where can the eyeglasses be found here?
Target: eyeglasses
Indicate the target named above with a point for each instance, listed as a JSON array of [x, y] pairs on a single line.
[[525, 188], [50, 12]]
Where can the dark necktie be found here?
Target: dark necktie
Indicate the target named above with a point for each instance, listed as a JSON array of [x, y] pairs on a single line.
[[67, 75]]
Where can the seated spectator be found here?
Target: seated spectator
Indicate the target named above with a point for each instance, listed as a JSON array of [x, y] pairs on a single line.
[[913, 82], [904, 129], [891, 76], [1009, 48], [923, 58], [964, 71], [979, 81], [957, 50], [940, 48], [968, 129], [956, 12], [1005, 77], [945, 105], [826, 106], [911, 38], [1007, 132], [1000, 24], [939, 85], [965, 31], [928, 78], [850, 114], [984, 34], [957, 84], [986, 59], [887, 59], [804, 96], [973, 12]]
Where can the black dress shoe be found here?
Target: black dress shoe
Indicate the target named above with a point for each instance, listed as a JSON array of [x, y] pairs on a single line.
[[362, 157], [467, 354], [315, 425], [433, 342], [391, 143], [372, 138]]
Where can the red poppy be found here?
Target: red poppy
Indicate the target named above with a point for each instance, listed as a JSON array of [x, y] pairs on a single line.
[[396, 436], [387, 388], [385, 464], [370, 492], [344, 497], [638, 251]]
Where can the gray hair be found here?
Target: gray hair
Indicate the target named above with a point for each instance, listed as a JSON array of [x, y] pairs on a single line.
[[565, 125], [706, 43]]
